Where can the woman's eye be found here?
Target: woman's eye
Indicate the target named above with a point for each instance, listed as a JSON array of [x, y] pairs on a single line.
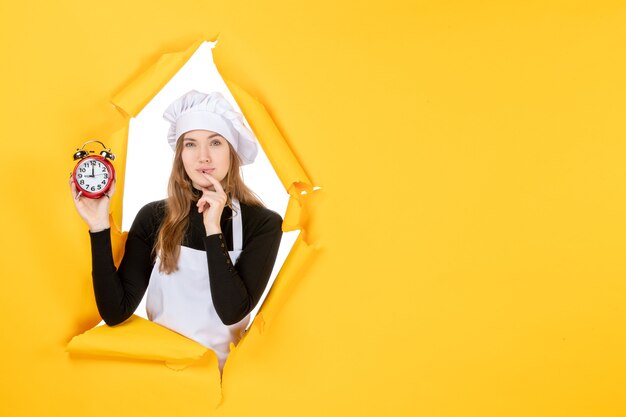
[[189, 144], [216, 142]]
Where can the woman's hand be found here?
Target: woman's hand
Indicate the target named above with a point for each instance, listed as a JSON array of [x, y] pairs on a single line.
[[95, 212], [211, 205]]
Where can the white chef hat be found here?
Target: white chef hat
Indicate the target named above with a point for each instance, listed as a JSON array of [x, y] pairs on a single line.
[[195, 110]]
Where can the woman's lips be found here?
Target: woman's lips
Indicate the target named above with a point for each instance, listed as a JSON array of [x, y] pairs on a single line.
[[208, 170]]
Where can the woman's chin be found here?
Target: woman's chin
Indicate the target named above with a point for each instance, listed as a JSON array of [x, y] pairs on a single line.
[[201, 185]]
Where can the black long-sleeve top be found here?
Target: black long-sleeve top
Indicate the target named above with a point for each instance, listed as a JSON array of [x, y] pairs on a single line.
[[235, 289]]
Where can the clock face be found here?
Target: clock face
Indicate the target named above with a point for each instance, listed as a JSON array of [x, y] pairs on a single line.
[[92, 175]]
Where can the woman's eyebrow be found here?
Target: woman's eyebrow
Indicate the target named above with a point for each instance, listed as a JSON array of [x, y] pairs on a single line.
[[213, 135]]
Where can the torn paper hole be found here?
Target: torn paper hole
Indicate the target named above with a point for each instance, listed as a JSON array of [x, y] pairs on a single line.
[[132, 100], [148, 148]]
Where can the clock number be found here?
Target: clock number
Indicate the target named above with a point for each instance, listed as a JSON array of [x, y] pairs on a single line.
[[83, 169], [103, 182], [99, 187], [79, 175], [106, 176], [82, 182]]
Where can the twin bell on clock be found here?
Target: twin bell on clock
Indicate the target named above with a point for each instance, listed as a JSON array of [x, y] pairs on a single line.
[[93, 174]]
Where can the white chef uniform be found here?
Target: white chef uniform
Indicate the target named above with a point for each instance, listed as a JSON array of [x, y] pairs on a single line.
[[181, 301]]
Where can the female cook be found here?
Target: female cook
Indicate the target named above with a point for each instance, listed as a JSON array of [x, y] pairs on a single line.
[[206, 252]]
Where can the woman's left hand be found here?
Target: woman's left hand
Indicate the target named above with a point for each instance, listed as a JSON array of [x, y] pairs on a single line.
[[211, 205]]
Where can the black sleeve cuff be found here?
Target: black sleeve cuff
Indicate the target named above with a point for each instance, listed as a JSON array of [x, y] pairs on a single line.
[[216, 243], [101, 251]]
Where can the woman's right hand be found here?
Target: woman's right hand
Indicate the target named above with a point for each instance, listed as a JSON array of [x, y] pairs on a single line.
[[95, 212]]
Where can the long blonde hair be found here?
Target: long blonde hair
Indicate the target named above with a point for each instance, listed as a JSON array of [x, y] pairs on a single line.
[[181, 195]]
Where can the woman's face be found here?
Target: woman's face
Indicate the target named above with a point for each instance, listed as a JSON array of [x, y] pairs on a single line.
[[205, 153]]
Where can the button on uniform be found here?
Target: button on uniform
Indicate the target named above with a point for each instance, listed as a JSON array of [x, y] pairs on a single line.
[[225, 252]]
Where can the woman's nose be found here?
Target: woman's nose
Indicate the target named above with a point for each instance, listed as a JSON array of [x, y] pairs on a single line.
[[205, 153]]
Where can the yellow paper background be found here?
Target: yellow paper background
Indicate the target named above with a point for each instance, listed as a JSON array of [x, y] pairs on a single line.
[[469, 232]]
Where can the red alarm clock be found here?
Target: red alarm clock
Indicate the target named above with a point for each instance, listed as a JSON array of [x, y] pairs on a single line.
[[93, 174]]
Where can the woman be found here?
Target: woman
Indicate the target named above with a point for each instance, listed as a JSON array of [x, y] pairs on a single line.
[[204, 254]]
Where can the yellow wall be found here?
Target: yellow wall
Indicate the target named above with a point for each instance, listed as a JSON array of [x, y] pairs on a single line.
[[469, 234]]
